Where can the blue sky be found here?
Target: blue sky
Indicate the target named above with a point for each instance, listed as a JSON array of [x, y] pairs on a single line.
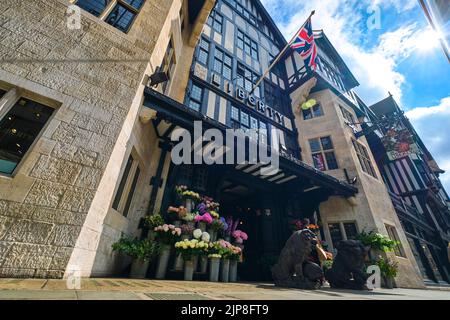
[[389, 47]]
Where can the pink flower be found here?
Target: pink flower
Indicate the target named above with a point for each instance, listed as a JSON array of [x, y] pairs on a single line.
[[198, 218], [207, 218]]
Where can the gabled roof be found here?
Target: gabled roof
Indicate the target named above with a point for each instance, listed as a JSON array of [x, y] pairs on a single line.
[[325, 44], [280, 37]]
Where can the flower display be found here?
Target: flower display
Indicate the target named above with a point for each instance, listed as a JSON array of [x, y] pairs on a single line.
[[197, 233], [218, 225], [235, 253], [181, 212], [204, 218], [206, 237], [214, 214], [231, 225], [191, 248], [189, 217], [167, 233], [239, 236], [210, 204], [187, 229], [180, 189], [153, 221], [215, 256], [224, 222], [191, 195]]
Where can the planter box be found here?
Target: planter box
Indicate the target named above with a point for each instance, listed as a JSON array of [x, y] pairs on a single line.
[[139, 269]]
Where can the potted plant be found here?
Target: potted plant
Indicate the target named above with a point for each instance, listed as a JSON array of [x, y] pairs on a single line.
[[189, 218], [389, 271], [214, 267], [203, 221], [188, 250], [224, 249], [142, 252], [215, 227], [151, 222], [239, 238], [166, 235], [234, 256], [377, 243], [204, 256]]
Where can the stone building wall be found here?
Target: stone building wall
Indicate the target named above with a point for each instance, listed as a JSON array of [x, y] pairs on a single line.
[[371, 208], [93, 77]]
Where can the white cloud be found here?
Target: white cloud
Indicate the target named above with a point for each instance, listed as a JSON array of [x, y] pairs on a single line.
[[375, 68], [432, 124]]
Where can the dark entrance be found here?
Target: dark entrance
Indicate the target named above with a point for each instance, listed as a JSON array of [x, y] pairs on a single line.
[[252, 208]]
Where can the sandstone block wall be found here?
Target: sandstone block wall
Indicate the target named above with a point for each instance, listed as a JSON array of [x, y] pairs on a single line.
[[91, 76]]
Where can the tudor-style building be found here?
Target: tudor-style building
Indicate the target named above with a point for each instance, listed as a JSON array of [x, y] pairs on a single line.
[[412, 176], [99, 159]]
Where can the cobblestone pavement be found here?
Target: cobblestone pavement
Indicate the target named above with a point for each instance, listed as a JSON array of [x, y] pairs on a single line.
[[130, 289]]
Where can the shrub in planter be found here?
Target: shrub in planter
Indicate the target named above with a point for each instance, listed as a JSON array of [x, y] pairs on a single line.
[[377, 241], [388, 270], [142, 251]]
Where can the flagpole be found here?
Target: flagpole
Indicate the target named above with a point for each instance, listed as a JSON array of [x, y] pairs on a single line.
[[281, 53]]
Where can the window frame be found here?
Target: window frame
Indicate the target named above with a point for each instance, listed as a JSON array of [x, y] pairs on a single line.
[[194, 99], [109, 8], [168, 64], [245, 79], [362, 153], [8, 100], [312, 113], [244, 42], [222, 63], [342, 230], [203, 50], [392, 232], [126, 199], [323, 153]]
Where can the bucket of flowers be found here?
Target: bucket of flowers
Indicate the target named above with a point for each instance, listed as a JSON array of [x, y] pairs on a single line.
[[217, 226], [203, 220], [224, 249], [239, 238], [231, 226], [151, 222], [235, 256], [177, 214], [189, 249], [166, 235]]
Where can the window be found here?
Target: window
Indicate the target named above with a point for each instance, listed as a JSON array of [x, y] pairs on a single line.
[[393, 235], [223, 64], [196, 98], [234, 113], [335, 233], [350, 230], [203, 53], [272, 96], [364, 159], [249, 46], [342, 231], [168, 63], [313, 112], [121, 12], [323, 154], [245, 120], [95, 7], [246, 79], [245, 13], [19, 129], [127, 187], [348, 116], [215, 20]]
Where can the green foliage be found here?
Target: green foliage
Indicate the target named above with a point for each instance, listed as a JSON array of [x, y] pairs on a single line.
[[216, 225], [388, 268], [377, 241], [144, 250], [326, 265], [153, 221]]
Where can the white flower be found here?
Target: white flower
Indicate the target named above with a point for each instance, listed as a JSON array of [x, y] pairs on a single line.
[[206, 237], [197, 233]]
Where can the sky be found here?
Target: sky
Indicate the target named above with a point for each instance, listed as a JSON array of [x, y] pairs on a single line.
[[389, 47]]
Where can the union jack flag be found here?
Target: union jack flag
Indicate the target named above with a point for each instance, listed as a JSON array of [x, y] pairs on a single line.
[[305, 45]]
